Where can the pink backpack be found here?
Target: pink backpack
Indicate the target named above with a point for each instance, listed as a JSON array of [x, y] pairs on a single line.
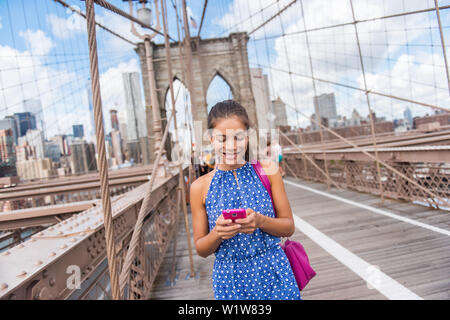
[[294, 251]]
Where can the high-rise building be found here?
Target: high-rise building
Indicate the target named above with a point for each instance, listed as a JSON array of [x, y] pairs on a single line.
[[123, 128], [356, 118], [35, 107], [114, 119], [35, 138], [24, 151], [24, 122], [82, 158], [35, 168], [9, 122], [135, 111], [325, 108], [7, 150], [117, 146], [91, 135], [62, 141], [408, 116], [279, 109], [52, 151], [78, 131], [260, 88]]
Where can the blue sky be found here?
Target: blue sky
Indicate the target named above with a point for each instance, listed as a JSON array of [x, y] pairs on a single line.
[[43, 52]]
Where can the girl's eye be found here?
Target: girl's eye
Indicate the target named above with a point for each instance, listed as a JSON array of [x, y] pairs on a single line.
[[220, 138]]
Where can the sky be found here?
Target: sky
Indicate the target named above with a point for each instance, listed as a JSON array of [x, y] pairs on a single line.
[[44, 55]]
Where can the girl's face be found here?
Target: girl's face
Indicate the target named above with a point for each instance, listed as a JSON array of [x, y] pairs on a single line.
[[229, 139]]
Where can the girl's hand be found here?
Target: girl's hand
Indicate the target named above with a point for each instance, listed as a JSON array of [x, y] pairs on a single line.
[[251, 222], [225, 228]]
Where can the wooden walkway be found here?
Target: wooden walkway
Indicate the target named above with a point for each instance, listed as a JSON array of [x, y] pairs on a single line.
[[413, 257]]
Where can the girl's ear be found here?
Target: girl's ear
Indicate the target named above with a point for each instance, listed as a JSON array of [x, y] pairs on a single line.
[[210, 135]]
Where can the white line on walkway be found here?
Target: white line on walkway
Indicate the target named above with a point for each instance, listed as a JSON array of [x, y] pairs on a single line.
[[371, 274], [375, 210]]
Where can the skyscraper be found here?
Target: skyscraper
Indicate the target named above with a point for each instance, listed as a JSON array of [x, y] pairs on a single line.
[[91, 130], [408, 116], [35, 107], [24, 121], [325, 107], [260, 88], [279, 109], [35, 138], [78, 131], [116, 146], [9, 122], [135, 111], [7, 152], [82, 158], [114, 119]]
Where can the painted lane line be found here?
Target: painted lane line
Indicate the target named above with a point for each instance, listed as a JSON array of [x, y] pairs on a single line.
[[374, 278], [375, 210]]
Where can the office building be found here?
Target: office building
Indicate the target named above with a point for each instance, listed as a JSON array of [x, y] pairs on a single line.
[[114, 119], [78, 131], [35, 138], [7, 150], [408, 116], [325, 109], [136, 126], [34, 106], [260, 88], [9, 122], [82, 158], [52, 151], [117, 146], [279, 109], [24, 122]]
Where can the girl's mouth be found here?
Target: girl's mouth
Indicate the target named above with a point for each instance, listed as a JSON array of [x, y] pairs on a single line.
[[229, 156]]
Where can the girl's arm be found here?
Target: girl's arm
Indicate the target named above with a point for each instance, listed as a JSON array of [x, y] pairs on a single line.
[[206, 242], [283, 224]]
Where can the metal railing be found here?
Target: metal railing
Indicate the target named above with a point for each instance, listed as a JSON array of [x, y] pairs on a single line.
[[68, 260], [362, 175]]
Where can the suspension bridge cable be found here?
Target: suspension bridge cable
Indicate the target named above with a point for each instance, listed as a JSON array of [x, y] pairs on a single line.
[[361, 21], [372, 126], [229, 29], [75, 10], [203, 16]]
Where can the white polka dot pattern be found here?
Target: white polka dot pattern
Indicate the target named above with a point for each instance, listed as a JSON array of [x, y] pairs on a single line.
[[247, 266]]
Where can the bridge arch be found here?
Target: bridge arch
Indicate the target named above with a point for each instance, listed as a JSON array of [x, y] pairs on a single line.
[[226, 57], [219, 89]]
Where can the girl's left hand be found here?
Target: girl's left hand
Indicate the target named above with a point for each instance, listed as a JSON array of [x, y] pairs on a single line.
[[250, 223]]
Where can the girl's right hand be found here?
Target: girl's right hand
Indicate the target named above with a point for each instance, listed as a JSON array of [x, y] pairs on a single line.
[[225, 228]]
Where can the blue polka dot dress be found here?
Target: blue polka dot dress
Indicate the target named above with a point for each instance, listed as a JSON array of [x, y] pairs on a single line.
[[247, 266]]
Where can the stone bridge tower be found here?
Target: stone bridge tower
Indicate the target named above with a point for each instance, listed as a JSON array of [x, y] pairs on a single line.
[[226, 57]]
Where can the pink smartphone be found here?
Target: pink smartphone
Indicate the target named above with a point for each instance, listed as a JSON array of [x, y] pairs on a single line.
[[234, 214]]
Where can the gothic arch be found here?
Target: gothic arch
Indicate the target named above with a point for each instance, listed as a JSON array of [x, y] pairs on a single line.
[[226, 57], [222, 74]]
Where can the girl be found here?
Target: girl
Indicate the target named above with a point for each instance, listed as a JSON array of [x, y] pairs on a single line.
[[249, 262]]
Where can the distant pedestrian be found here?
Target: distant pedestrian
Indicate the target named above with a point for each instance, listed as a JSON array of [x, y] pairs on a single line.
[[275, 153]]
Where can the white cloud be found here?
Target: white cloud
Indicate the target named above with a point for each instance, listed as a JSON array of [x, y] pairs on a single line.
[[25, 75], [37, 41], [65, 28], [239, 10], [112, 89]]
